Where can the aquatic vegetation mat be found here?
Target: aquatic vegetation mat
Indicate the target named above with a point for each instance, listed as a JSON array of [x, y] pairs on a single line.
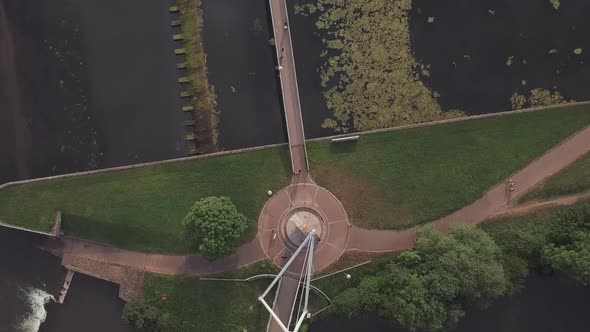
[[537, 97], [371, 77]]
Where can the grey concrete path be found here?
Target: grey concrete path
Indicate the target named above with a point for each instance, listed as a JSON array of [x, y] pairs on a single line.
[[489, 205]]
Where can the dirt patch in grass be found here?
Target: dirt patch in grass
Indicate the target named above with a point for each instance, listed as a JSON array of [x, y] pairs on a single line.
[[363, 200]]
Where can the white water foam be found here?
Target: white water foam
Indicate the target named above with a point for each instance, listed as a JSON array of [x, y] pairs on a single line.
[[36, 299]]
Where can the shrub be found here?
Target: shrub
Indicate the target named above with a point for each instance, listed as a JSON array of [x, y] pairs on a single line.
[[143, 315]]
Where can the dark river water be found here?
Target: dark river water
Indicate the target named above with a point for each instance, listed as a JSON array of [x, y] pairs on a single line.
[[241, 63], [29, 277], [86, 84], [469, 43]]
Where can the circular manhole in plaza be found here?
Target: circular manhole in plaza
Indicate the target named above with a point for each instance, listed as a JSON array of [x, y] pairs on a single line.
[[299, 223]]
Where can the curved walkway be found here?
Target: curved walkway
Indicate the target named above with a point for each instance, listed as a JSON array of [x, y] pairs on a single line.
[[193, 265], [490, 204], [494, 202], [533, 206], [332, 227]]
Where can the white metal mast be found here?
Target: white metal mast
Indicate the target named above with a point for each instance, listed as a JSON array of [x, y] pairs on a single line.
[[306, 272]]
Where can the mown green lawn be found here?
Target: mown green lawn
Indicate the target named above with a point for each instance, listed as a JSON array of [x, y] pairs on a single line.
[[142, 209], [221, 306], [572, 180], [408, 177]]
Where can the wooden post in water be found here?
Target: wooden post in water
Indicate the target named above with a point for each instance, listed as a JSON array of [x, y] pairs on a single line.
[[66, 286]]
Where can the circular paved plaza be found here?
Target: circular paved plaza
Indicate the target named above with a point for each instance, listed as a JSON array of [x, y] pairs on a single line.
[[294, 212]]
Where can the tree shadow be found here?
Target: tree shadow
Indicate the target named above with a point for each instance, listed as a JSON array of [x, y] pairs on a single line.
[[130, 236], [343, 147]]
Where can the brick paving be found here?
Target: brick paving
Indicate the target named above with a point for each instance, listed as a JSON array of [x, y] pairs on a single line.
[[130, 280], [271, 233], [190, 265]]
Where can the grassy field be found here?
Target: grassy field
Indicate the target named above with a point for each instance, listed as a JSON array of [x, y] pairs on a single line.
[[142, 209], [201, 305], [408, 177], [572, 180]]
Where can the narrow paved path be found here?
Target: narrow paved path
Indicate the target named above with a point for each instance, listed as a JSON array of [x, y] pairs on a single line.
[[533, 206], [289, 88], [296, 135], [489, 204], [194, 265]]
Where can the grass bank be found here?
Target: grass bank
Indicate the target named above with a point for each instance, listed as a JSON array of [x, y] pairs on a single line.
[[201, 305], [402, 178], [572, 180], [203, 97], [141, 209]]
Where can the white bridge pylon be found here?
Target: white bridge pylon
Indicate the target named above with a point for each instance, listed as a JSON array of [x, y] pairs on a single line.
[[304, 279]]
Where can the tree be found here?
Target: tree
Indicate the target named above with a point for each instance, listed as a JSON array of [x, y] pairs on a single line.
[[214, 225], [412, 304], [569, 223], [572, 260], [143, 315], [429, 287], [364, 298], [466, 264]]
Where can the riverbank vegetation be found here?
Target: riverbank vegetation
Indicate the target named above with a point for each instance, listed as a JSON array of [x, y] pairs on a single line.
[[204, 99], [370, 75], [142, 209], [574, 179], [430, 287], [198, 305], [414, 176], [554, 239]]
